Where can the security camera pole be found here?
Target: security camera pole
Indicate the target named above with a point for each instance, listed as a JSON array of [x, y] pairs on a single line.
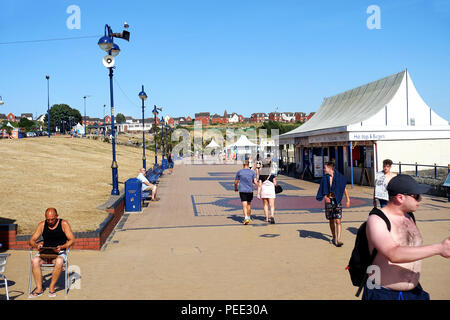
[[107, 44]]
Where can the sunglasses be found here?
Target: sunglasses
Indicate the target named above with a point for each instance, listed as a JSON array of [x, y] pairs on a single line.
[[417, 197]]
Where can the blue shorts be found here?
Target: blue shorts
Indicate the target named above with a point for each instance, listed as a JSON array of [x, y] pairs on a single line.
[[387, 294]]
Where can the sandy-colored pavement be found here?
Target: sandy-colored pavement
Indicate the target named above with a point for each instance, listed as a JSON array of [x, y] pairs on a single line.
[[192, 245]]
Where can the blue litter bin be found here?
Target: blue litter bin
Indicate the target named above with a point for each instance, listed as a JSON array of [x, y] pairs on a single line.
[[133, 192], [165, 164]]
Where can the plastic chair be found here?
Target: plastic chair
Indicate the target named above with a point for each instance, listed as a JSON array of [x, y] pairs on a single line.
[[3, 258], [50, 266]]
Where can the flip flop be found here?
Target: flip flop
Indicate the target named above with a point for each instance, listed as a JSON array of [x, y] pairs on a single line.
[[35, 294], [52, 294]]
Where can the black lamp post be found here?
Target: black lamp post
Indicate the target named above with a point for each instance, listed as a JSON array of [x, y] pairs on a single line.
[[143, 97], [155, 114], [48, 104], [107, 44], [84, 135]]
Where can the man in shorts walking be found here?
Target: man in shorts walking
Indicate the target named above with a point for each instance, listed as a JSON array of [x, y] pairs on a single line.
[[332, 189], [244, 181]]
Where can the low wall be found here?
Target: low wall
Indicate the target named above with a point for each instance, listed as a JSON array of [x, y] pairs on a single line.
[[92, 240]]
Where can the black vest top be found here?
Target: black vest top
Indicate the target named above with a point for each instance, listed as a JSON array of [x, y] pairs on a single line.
[[54, 238]]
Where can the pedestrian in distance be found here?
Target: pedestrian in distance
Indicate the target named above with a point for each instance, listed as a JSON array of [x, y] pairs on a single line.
[[399, 244], [244, 183], [332, 189], [382, 179], [266, 192]]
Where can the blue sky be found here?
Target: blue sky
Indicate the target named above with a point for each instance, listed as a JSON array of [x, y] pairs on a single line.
[[244, 56]]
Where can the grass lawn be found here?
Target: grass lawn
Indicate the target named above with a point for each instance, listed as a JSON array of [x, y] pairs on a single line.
[[71, 174]]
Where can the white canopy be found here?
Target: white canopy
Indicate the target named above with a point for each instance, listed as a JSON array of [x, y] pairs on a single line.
[[213, 144], [242, 142]]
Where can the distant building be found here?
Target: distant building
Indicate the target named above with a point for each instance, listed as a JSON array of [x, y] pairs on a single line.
[[218, 119], [275, 116], [300, 116], [28, 116], [258, 117], [204, 117], [11, 117], [287, 117]]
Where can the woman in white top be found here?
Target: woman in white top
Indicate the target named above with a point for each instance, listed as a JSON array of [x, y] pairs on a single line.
[[266, 192]]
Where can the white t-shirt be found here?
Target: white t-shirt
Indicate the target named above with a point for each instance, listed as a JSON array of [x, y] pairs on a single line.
[[380, 186], [143, 180]]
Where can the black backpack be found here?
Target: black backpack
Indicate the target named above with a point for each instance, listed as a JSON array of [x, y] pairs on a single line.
[[361, 258]]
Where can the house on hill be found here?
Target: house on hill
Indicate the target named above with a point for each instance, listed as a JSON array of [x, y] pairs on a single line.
[[288, 117], [235, 118], [275, 116], [258, 117], [300, 116], [218, 119], [204, 117], [359, 128], [11, 117], [28, 116]]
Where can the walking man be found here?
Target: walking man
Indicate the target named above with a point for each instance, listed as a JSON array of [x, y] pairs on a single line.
[[245, 179], [382, 179], [332, 189], [400, 250]]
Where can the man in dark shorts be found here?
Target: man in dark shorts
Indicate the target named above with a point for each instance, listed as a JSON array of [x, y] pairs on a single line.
[[57, 234], [332, 189], [245, 179]]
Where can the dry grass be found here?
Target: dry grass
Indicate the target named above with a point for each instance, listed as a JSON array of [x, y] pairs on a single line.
[[72, 175]]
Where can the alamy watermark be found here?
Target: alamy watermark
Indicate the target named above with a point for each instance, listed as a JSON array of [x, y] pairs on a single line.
[[374, 20], [74, 20]]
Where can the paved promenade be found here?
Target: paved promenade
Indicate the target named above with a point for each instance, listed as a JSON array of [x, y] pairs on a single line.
[[192, 245]]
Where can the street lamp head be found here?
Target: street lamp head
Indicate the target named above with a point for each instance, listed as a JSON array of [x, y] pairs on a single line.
[[155, 110], [47, 77], [142, 94], [105, 43], [115, 50]]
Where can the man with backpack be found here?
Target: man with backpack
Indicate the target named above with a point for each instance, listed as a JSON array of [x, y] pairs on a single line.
[[395, 245]]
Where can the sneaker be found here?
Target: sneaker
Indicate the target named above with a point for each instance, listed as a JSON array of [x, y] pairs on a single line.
[[246, 221]]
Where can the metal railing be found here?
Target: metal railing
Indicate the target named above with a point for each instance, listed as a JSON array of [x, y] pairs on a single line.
[[425, 172]]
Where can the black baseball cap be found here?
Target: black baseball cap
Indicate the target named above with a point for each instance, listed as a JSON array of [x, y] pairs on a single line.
[[405, 184]]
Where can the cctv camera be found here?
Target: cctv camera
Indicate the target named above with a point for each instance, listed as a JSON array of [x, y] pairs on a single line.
[[126, 25]]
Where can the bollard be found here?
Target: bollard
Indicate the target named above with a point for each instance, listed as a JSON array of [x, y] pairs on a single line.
[[416, 169], [435, 171]]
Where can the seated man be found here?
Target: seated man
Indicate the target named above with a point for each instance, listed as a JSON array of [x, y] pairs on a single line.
[[57, 234], [146, 185]]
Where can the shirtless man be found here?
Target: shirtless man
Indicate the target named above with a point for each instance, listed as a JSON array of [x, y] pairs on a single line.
[[400, 251], [381, 181]]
